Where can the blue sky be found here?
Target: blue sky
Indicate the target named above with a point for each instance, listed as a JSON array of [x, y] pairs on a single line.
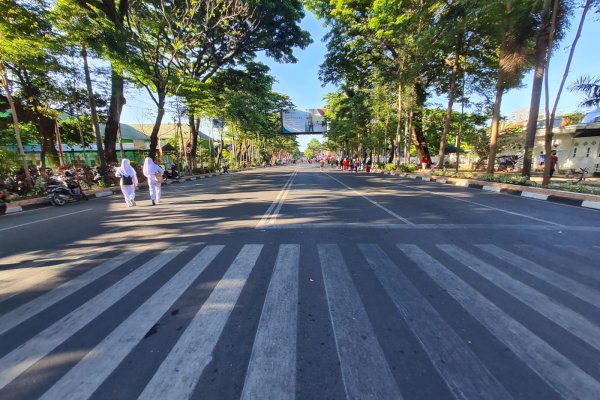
[[300, 81]]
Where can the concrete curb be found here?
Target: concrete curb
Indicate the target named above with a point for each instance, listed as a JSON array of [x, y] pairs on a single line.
[[24, 205], [557, 196]]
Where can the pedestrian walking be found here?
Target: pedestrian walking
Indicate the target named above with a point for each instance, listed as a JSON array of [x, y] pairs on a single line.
[[128, 181], [321, 163], [345, 163], [541, 158], [424, 162], [153, 173]]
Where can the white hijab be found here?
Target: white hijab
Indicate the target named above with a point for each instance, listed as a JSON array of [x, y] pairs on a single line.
[[125, 169], [150, 168]]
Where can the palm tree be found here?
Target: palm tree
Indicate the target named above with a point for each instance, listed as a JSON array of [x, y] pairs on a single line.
[[590, 87]]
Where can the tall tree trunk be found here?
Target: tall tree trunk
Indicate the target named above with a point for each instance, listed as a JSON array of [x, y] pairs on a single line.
[[47, 133], [399, 125], [499, 90], [495, 124], [541, 46], [157, 122], [93, 109], [117, 101], [417, 123], [194, 139], [448, 118], [550, 118], [16, 125]]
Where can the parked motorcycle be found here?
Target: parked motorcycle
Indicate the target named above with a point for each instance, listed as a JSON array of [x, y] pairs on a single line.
[[65, 190], [3, 204]]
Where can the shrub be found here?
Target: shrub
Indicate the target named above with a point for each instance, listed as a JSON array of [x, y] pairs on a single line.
[[408, 168], [40, 185], [205, 170], [454, 174], [579, 188], [512, 179], [389, 167]]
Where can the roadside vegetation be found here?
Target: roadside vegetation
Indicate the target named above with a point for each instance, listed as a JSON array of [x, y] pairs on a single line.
[[395, 61]]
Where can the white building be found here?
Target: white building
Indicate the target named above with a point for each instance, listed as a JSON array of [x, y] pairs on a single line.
[[577, 146]]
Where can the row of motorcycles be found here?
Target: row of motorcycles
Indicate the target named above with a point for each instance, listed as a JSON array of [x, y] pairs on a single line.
[[65, 187], [63, 190]]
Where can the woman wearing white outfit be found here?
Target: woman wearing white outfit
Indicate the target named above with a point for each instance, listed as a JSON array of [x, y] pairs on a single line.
[[128, 181], [150, 170]]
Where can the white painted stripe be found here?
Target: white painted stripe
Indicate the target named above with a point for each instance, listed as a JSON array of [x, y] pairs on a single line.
[[393, 214], [583, 292], [45, 219], [555, 312], [365, 371], [411, 176], [461, 184], [582, 251], [104, 194], [591, 204], [271, 372], [554, 368], [491, 189], [179, 373], [19, 280], [12, 210], [85, 377], [566, 264], [462, 371], [495, 227], [275, 213], [17, 361], [441, 180], [533, 195], [193, 178], [28, 310], [267, 214]]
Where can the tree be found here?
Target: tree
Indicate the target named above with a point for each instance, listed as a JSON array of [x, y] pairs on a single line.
[[110, 16], [590, 88], [228, 33], [81, 34], [516, 35], [550, 115], [30, 59]]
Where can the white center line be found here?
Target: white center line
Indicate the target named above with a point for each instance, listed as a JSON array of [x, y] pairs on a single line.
[[482, 205], [271, 214], [45, 219]]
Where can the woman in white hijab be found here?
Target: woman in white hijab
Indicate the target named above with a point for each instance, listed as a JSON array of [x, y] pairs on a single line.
[[128, 181], [150, 171]]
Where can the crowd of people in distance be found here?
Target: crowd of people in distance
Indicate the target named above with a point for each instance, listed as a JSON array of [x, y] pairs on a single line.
[[347, 164]]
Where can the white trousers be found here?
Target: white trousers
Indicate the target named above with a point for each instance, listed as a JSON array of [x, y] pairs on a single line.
[[128, 193], [154, 189]]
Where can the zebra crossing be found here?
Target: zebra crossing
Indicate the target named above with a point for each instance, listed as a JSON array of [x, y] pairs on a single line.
[[507, 293]]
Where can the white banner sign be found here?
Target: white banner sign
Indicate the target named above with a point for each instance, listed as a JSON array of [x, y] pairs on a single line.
[[304, 121]]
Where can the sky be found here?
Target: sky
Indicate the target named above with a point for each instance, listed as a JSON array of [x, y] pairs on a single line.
[[300, 81]]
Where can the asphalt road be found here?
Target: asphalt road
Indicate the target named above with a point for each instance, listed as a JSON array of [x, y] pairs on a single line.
[[289, 282]]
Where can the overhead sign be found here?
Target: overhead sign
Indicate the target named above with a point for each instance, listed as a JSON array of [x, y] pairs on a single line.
[[310, 120]]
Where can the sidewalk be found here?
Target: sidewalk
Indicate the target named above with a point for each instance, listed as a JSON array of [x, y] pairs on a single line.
[[553, 195], [22, 205]]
